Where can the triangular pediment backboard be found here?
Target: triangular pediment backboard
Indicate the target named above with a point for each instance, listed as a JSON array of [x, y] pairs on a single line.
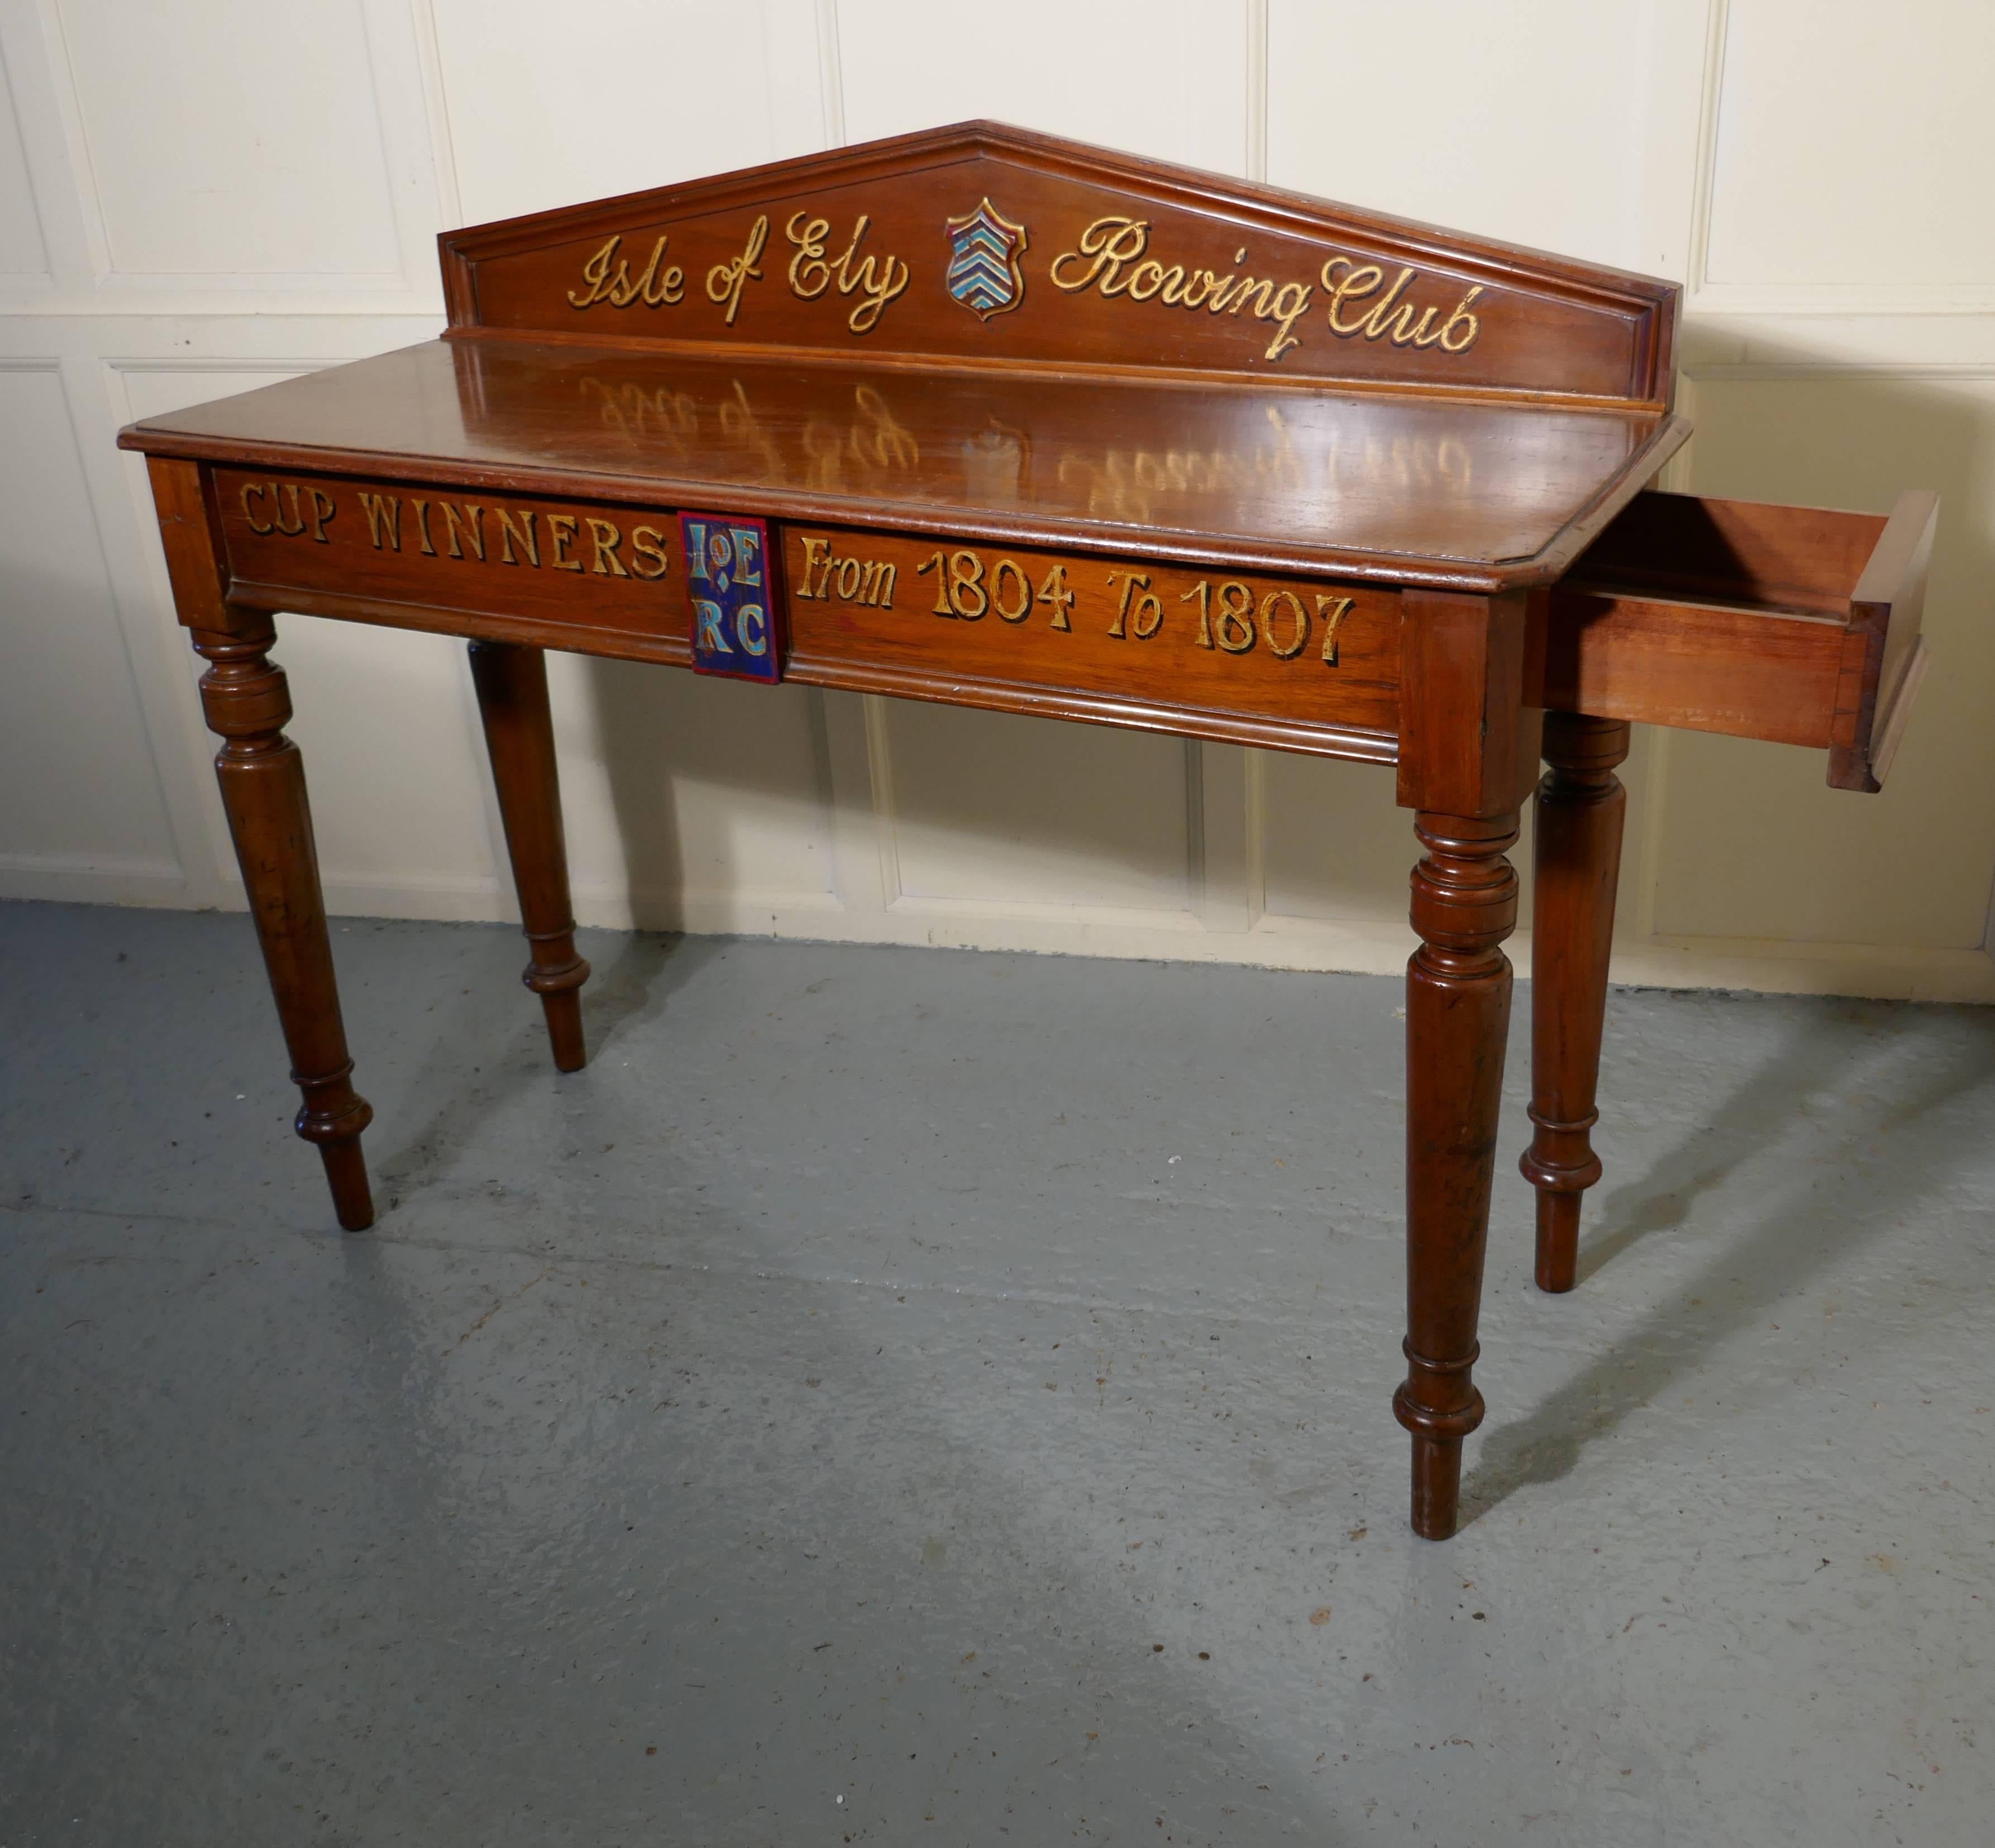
[[985, 242]]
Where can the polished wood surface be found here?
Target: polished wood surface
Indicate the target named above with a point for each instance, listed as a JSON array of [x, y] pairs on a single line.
[[1542, 324], [1458, 983], [245, 700], [1034, 427], [1474, 491], [512, 685], [1299, 664], [1798, 625], [1576, 866], [1885, 658], [1471, 752]]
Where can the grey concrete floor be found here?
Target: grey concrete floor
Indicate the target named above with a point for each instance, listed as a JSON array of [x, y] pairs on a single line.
[[900, 1396]]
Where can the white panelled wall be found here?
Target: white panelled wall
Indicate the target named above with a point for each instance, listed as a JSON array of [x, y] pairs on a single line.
[[200, 197]]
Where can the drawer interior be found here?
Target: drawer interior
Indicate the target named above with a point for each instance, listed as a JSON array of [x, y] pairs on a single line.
[[1742, 553], [1797, 625]]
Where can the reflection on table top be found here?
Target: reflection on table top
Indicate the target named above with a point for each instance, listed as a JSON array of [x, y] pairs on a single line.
[[1312, 476]]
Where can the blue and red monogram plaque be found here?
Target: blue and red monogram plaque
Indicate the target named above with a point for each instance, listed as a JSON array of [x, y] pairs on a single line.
[[736, 614]]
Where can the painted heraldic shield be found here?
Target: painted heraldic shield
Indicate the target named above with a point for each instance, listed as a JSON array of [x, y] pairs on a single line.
[[983, 272]]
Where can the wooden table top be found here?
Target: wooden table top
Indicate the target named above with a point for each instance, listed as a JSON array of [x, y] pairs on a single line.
[[1368, 482]]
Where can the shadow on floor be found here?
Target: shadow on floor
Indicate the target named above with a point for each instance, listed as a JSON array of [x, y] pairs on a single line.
[[483, 1052], [1905, 1153], [1763, 1106]]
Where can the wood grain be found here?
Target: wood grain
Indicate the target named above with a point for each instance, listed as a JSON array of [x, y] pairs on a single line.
[[1702, 667], [1468, 751], [1064, 624], [1877, 682], [556, 562], [1148, 430], [1693, 548], [1576, 862], [1475, 493], [191, 536], [1469, 730], [1547, 324], [1795, 625], [246, 700], [511, 687], [1458, 983]]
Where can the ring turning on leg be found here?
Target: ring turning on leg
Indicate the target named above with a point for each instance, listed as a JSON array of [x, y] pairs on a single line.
[[1464, 904], [244, 699]]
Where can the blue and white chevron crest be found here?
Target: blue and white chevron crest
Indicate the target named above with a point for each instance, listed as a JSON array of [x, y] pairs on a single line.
[[983, 272]]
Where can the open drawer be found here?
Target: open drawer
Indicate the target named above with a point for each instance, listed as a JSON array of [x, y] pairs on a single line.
[[1795, 624]]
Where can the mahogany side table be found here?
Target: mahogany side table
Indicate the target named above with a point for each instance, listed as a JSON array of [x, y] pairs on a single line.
[[988, 418]]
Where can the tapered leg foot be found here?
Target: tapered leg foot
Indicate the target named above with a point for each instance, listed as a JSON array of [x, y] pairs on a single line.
[[245, 700], [1581, 805], [1464, 905], [1437, 1487], [512, 684], [346, 1175], [1558, 1242], [1451, 1410], [563, 1017]]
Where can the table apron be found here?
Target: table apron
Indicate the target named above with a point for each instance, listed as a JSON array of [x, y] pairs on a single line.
[[1279, 661]]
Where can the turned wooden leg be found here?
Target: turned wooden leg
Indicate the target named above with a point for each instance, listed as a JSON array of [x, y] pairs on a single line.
[[1576, 860], [1464, 904], [512, 684], [263, 778]]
